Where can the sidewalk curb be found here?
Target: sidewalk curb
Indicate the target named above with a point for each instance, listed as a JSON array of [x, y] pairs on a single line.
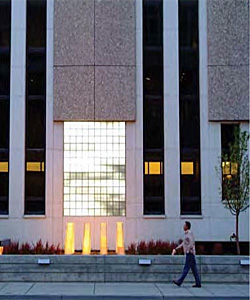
[[114, 297]]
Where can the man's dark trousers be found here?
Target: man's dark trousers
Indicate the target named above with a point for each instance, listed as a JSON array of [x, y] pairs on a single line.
[[190, 263]]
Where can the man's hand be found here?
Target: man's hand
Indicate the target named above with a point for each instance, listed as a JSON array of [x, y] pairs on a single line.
[[173, 252]]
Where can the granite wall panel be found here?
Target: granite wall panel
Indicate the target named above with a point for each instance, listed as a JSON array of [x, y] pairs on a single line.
[[74, 93], [115, 32], [228, 93], [94, 60], [114, 90], [228, 60], [74, 32], [228, 32]]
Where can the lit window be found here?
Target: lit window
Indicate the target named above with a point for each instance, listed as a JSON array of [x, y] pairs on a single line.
[[35, 166], [94, 168], [153, 168], [4, 167], [229, 168], [187, 168]]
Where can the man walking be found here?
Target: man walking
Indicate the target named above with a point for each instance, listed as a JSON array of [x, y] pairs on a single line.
[[188, 246]]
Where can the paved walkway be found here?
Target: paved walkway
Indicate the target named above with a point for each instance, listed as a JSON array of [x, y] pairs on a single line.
[[119, 291]]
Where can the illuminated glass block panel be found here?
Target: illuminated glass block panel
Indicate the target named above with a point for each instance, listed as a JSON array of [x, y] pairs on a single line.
[[94, 169]]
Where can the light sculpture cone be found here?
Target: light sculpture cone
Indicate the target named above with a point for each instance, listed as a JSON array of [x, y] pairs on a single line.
[[69, 247], [103, 239], [86, 247], [119, 238]]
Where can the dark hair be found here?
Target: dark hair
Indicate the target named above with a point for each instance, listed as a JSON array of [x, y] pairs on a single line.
[[188, 224]]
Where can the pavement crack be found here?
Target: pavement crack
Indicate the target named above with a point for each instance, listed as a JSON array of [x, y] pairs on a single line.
[[30, 288], [3, 286], [159, 290]]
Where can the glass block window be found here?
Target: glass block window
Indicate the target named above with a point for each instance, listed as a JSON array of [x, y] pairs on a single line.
[[94, 169]]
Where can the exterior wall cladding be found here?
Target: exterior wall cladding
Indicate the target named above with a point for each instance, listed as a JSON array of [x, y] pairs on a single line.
[[94, 73]]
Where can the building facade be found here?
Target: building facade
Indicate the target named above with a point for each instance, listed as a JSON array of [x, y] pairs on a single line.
[[118, 110]]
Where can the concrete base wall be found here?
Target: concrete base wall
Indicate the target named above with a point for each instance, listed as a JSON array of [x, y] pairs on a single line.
[[78, 268]]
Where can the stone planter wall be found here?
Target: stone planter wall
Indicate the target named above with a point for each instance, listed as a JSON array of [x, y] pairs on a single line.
[[78, 268]]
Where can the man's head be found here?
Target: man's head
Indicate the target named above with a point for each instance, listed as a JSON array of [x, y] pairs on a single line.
[[187, 226]]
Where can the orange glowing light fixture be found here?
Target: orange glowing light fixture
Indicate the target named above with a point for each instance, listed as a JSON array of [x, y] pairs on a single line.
[[1, 250], [119, 239], [103, 241], [86, 247], [69, 247]]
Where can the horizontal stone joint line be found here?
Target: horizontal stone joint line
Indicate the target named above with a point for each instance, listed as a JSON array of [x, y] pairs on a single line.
[[62, 66], [229, 65]]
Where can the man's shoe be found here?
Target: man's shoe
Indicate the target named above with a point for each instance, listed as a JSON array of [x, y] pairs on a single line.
[[196, 285], [176, 282]]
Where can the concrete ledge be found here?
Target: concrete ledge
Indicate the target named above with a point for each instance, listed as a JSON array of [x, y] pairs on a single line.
[[115, 268]]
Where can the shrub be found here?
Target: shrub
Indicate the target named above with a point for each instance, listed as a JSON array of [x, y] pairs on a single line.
[[200, 249], [13, 248], [132, 249], [25, 248], [142, 248], [217, 249], [151, 247], [37, 248]]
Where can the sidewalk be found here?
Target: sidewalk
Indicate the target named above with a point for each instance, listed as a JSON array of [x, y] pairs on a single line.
[[119, 291]]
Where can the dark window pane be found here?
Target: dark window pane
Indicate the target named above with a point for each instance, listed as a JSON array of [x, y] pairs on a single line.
[[153, 116], [153, 122], [35, 108], [189, 107], [189, 123], [4, 124], [153, 205], [4, 72], [188, 24], [36, 71], [5, 32], [152, 22], [35, 136], [34, 185], [230, 171], [3, 182], [227, 136], [153, 80], [36, 23], [4, 206], [5, 23]]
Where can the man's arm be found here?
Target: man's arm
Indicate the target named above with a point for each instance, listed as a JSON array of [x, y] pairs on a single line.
[[178, 247]]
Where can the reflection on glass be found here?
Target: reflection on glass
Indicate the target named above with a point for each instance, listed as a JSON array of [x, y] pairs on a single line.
[[94, 168]]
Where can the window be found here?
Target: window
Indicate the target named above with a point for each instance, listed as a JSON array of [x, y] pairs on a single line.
[[153, 121], [229, 169], [35, 108], [94, 169], [5, 32], [189, 107]]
